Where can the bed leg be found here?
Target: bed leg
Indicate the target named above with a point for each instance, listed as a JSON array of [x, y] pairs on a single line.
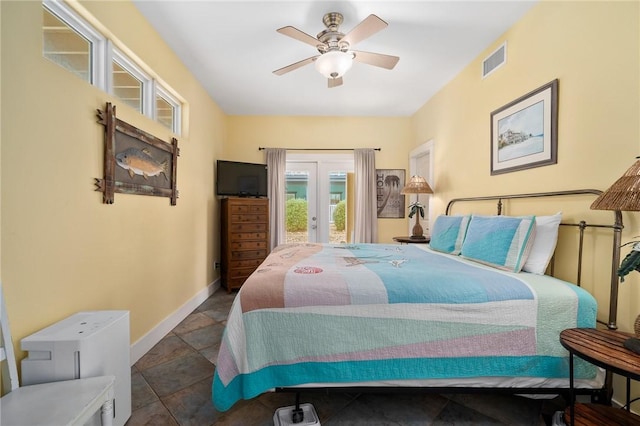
[[297, 416]]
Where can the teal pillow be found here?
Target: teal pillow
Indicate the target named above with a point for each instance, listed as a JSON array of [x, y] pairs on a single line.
[[447, 233], [500, 241]]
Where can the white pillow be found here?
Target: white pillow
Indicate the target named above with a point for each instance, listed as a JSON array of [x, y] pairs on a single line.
[[544, 243]]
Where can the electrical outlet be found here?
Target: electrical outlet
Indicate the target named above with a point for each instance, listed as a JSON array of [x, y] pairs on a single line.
[[216, 265]]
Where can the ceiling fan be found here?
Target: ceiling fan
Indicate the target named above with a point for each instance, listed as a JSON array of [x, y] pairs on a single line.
[[336, 56]]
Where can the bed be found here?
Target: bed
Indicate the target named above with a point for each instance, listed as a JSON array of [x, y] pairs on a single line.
[[459, 314]]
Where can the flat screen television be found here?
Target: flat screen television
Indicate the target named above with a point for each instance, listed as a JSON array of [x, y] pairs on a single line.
[[241, 179]]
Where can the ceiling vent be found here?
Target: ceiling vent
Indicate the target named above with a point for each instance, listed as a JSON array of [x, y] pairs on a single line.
[[495, 60]]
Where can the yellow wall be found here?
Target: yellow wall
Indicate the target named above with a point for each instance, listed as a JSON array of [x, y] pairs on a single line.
[[592, 48], [393, 135], [64, 251]]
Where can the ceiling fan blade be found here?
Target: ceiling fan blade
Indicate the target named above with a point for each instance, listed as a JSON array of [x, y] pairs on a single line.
[[300, 36], [375, 59], [295, 65], [334, 82], [368, 27]]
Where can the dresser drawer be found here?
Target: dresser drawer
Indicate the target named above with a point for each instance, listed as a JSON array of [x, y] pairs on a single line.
[[241, 272], [244, 236], [248, 245], [248, 254], [248, 208], [231, 283], [249, 217], [248, 227], [248, 263]]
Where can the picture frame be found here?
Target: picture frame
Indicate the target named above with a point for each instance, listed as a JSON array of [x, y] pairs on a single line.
[[524, 133], [135, 162], [389, 200]]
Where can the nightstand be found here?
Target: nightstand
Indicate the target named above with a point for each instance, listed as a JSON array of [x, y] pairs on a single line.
[[409, 240], [605, 349]]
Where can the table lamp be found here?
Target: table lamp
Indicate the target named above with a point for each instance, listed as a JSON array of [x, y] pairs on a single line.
[[417, 185], [624, 195]]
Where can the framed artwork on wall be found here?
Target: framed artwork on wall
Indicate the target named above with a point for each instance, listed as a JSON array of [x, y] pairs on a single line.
[[524, 133], [135, 162], [389, 183]]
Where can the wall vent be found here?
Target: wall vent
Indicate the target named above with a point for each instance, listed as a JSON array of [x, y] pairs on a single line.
[[495, 60]]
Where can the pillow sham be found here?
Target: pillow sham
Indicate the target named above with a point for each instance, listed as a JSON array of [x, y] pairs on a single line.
[[447, 233], [544, 243], [500, 241]]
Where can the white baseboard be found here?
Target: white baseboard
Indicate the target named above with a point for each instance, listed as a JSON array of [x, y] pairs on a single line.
[[149, 340]]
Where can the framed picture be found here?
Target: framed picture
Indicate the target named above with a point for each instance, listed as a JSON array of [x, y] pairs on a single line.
[[389, 183], [135, 162], [524, 133]]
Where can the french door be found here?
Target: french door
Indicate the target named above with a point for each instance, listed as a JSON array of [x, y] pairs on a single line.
[[316, 205]]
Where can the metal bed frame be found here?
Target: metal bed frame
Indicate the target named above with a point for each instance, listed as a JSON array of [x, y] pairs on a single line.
[[617, 227], [602, 395]]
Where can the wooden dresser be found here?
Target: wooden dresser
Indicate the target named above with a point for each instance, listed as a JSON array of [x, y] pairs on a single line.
[[245, 238]]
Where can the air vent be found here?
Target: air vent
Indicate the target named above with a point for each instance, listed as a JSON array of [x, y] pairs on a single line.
[[494, 61]]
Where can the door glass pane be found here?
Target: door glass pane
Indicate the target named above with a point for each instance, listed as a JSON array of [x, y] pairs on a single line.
[[127, 87], [337, 206], [64, 46], [297, 183]]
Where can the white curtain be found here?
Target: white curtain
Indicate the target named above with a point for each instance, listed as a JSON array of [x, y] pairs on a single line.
[[276, 166], [366, 216]]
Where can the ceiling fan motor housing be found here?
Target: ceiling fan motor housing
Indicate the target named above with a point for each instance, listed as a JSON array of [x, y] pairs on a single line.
[[331, 36]]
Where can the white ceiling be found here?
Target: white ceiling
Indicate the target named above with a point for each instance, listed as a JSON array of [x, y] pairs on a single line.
[[232, 47]]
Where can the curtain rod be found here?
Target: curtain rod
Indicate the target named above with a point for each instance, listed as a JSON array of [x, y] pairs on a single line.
[[318, 149]]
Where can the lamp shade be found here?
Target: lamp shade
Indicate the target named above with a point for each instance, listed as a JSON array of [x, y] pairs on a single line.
[[624, 194], [417, 185], [334, 64]]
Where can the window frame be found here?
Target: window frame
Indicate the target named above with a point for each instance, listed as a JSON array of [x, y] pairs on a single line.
[[98, 42], [147, 97], [104, 52], [161, 91]]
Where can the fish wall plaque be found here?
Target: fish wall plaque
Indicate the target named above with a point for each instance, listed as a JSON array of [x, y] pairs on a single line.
[[135, 162]]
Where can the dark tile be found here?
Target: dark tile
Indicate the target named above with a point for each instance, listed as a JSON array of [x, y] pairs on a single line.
[[193, 322], [455, 414], [170, 347], [151, 415], [391, 409], [360, 414], [219, 300], [175, 375], [211, 353], [141, 392], [219, 315], [204, 337], [246, 413], [219, 310], [192, 406], [509, 409], [210, 303]]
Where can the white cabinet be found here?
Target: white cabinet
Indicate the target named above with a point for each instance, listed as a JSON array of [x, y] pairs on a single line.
[[87, 344]]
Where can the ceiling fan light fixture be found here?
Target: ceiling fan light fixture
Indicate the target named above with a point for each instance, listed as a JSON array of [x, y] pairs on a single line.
[[334, 64]]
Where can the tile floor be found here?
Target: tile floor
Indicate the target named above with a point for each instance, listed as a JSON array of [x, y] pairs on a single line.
[[171, 385]]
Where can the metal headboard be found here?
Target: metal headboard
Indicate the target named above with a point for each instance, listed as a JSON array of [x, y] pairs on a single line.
[[617, 227]]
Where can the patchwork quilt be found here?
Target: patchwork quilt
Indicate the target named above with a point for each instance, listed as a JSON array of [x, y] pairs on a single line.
[[323, 313]]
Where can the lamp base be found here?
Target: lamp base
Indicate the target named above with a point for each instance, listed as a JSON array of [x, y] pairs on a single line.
[[417, 238], [416, 232]]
